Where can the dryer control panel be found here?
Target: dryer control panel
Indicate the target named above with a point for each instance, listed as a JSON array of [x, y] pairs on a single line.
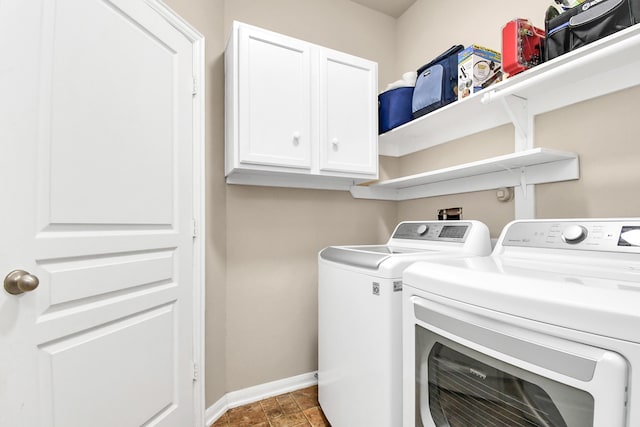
[[611, 235]]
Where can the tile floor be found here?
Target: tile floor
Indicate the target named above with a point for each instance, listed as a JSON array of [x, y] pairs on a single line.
[[299, 408]]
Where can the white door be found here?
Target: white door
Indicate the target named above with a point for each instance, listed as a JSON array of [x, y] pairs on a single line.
[[348, 113], [274, 99], [96, 201]]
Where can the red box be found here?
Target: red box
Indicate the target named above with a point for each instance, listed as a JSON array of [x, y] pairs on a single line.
[[522, 45]]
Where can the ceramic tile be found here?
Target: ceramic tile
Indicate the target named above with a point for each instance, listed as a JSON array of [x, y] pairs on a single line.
[[306, 398], [316, 417], [223, 421], [288, 405], [290, 420], [299, 408], [247, 415], [271, 408]]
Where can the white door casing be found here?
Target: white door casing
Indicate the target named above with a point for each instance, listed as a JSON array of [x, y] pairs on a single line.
[[99, 190]]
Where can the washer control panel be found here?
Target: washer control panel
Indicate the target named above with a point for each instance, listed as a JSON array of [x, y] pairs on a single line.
[[598, 235], [448, 231]]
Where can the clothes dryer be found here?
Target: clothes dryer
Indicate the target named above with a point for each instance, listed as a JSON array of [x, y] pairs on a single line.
[[542, 333], [360, 319]]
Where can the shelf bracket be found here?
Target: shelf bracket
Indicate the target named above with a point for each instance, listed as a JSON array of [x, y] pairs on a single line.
[[525, 201], [523, 182], [517, 109]]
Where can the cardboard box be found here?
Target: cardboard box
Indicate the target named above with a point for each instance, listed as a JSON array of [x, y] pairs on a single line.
[[478, 68]]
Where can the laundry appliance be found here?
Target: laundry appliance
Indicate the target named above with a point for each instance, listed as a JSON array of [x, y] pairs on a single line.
[[544, 332], [360, 319]]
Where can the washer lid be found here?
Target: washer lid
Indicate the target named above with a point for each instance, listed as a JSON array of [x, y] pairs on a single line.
[[386, 249], [356, 258]]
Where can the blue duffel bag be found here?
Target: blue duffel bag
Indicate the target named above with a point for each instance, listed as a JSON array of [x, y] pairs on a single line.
[[437, 83], [395, 108]]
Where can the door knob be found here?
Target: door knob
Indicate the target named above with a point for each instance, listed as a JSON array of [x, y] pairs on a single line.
[[19, 281]]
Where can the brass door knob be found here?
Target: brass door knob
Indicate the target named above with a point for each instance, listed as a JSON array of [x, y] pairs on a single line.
[[19, 281]]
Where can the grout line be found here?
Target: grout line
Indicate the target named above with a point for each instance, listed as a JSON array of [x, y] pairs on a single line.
[[260, 402], [264, 412], [301, 411]]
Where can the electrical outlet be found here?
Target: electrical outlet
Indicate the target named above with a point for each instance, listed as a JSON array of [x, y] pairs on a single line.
[[504, 194]]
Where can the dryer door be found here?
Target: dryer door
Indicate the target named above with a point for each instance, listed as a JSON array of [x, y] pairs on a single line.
[[472, 370]]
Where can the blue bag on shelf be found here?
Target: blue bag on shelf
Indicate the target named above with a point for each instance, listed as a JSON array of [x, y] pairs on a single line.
[[437, 83], [394, 108]]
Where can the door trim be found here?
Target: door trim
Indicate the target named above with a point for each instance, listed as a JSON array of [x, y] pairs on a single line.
[[197, 41]]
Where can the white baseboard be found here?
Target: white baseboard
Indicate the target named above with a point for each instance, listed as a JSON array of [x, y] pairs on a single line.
[[237, 398], [215, 411]]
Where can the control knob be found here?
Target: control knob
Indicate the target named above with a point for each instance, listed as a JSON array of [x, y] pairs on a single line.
[[422, 229], [574, 234]]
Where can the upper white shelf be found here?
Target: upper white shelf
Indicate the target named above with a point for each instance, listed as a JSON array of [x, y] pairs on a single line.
[[535, 166], [605, 66]]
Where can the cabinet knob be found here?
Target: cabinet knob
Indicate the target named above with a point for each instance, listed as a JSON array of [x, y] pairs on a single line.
[[296, 138], [335, 143]]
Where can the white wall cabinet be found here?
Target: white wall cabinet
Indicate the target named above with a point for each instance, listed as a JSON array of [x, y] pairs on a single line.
[[298, 114], [348, 114], [274, 98]]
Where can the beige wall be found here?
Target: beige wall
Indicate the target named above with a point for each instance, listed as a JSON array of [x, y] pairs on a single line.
[[427, 29], [482, 206], [274, 235], [262, 242], [430, 27], [601, 131], [274, 239], [604, 132], [337, 24]]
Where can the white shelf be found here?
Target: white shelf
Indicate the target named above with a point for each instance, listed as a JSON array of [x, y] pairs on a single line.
[[605, 66], [535, 166]]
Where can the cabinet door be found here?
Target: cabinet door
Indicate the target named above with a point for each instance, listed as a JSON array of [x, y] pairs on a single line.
[[274, 100], [348, 114]]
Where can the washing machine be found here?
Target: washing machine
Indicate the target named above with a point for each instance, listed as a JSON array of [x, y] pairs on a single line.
[[545, 332], [360, 319]]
